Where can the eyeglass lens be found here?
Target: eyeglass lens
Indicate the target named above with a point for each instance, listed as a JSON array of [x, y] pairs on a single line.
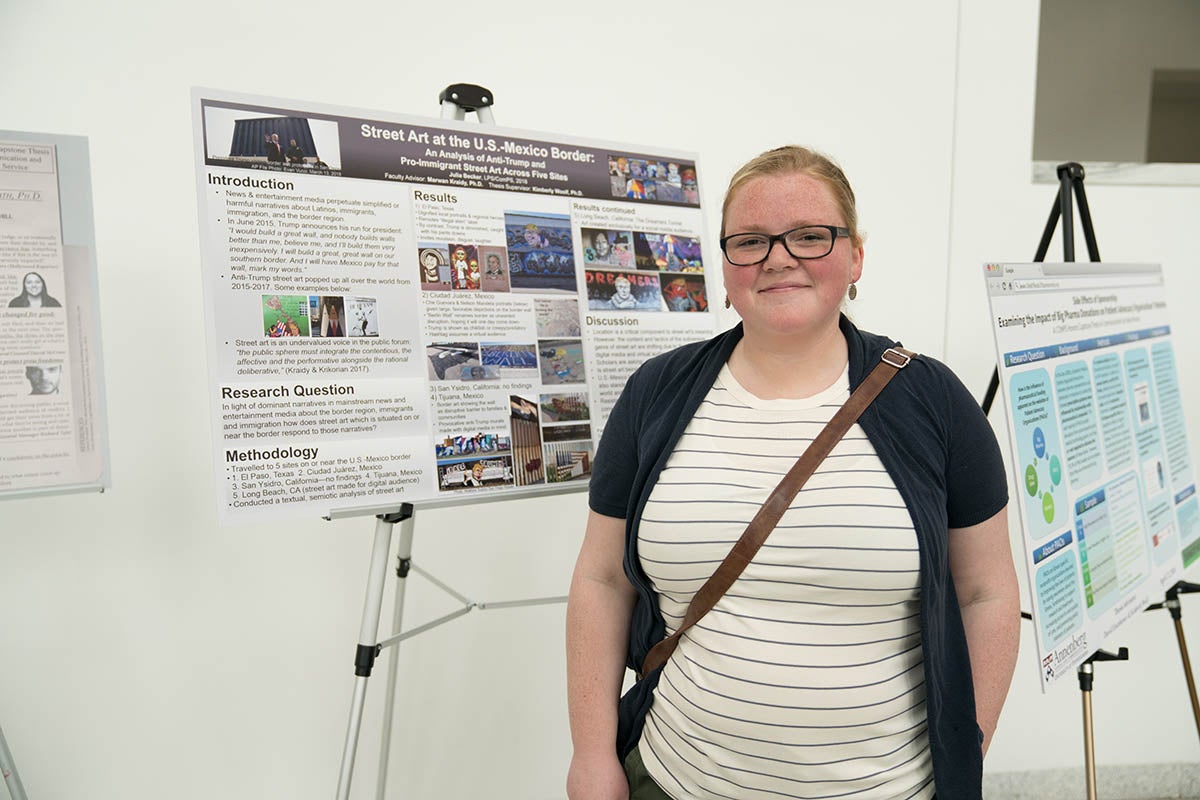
[[751, 248]]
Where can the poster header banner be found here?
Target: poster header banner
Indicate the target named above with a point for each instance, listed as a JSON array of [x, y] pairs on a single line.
[[422, 154]]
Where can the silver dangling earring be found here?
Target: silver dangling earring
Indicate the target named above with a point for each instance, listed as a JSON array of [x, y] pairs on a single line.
[[853, 292], [727, 303]]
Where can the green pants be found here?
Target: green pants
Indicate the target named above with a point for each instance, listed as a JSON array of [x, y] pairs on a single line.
[[641, 785]]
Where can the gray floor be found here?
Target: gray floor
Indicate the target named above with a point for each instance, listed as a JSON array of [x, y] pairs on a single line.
[[1143, 782]]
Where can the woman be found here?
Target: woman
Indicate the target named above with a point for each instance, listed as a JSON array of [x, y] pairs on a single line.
[[33, 294], [866, 650]]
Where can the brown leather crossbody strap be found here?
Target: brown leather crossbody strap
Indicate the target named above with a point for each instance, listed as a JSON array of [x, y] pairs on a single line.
[[894, 359]]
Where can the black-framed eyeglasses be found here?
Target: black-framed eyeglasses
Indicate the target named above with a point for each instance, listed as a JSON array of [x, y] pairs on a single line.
[[808, 241]]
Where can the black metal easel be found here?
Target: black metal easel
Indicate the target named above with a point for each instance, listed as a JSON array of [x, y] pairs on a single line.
[[1070, 180]]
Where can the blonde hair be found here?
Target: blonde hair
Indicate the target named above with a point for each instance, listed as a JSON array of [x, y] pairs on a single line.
[[792, 160]]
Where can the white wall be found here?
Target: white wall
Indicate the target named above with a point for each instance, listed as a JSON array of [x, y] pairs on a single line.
[[146, 652]]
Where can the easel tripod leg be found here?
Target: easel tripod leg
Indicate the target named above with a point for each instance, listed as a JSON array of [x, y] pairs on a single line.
[[1089, 745], [1187, 672], [9, 769], [367, 638], [1086, 673], [1173, 605], [351, 746], [404, 557]]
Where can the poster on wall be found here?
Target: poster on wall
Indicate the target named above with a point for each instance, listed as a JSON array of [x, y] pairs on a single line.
[[53, 435], [1102, 459], [403, 309]]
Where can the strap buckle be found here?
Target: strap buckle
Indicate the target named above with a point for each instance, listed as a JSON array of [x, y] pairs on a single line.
[[896, 358]]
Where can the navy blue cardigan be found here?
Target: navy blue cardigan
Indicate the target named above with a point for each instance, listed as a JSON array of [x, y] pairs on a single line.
[[938, 448]]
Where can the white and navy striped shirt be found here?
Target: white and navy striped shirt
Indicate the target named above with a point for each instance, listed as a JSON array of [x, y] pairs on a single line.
[[806, 679]]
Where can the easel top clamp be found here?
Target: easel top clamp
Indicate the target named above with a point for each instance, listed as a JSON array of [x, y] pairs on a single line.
[[459, 99]]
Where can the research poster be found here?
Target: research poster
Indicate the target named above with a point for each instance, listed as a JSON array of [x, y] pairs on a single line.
[[404, 309], [53, 435], [1102, 457]]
